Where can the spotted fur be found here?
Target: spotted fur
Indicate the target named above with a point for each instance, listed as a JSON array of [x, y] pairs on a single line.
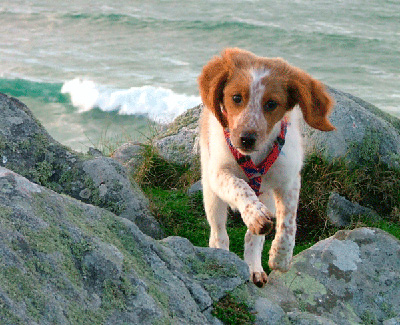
[[257, 80]]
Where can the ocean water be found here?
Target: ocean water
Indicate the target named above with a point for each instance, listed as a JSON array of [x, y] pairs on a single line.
[[100, 72]]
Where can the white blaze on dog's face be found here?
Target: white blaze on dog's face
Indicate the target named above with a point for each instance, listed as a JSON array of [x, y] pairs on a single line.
[[250, 94], [254, 101]]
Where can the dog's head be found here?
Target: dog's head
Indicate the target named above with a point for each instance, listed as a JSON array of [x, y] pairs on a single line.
[[250, 94]]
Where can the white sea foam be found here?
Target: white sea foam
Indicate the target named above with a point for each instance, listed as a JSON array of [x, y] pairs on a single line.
[[159, 104]]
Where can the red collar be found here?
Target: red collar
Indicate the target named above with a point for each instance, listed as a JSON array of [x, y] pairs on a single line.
[[252, 171]]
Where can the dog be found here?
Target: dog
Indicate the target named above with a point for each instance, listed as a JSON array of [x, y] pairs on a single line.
[[251, 149]]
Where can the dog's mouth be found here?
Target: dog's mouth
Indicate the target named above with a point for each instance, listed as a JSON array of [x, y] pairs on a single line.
[[246, 151]]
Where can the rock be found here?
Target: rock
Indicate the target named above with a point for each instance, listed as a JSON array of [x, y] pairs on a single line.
[[111, 184], [196, 187], [103, 263], [95, 152], [129, 154], [392, 321], [299, 318], [341, 211], [27, 148], [351, 277], [268, 312], [64, 261], [364, 133], [180, 142]]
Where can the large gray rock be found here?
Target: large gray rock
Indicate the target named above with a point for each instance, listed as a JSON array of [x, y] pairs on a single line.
[[27, 148], [66, 262], [352, 277], [364, 133]]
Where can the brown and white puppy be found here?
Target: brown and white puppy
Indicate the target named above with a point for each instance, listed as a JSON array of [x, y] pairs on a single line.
[[250, 96]]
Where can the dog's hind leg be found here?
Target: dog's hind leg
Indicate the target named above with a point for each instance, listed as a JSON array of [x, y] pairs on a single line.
[[216, 211]]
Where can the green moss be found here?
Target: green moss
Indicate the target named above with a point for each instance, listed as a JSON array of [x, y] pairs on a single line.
[[162, 321], [230, 311], [182, 120], [115, 293], [23, 287], [53, 256], [77, 314], [42, 172], [81, 248], [134, 260], [101, 201], [68, 175], [207, 267], [6, 314], [368, 150], [47, 240], [107, 228], [160, 297], [243, 295], [3, 143], [126, 242], [40, 144], [369, 318], [5, 213]]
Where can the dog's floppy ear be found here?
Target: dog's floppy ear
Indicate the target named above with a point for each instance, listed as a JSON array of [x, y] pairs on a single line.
[[313, 99], [211, 83]]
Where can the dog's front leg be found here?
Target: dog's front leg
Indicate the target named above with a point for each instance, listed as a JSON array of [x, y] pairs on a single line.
[[216, 211], [238, 194], [281, 252]]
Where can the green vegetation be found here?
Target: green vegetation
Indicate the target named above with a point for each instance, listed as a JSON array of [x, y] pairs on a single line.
[[230, 311], [377, 187], [156, 172]]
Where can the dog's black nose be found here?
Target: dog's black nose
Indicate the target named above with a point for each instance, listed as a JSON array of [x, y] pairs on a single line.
[[248, 140]]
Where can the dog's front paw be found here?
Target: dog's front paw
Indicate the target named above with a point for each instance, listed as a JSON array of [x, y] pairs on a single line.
[[258, 219], [259, 278]]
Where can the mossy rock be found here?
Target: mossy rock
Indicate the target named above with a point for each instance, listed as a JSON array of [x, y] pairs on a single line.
[[27, 148], [64, 261]]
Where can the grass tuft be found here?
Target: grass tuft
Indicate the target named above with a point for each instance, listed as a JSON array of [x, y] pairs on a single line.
[[157, 172]]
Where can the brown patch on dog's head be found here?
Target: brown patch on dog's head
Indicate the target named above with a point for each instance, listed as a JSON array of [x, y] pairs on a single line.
[[214, 76]]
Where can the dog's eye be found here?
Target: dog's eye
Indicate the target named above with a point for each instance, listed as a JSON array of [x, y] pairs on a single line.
[[237, 98], [270, 105]]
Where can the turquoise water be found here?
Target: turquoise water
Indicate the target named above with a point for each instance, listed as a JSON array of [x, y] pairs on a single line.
[[101, 70]]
